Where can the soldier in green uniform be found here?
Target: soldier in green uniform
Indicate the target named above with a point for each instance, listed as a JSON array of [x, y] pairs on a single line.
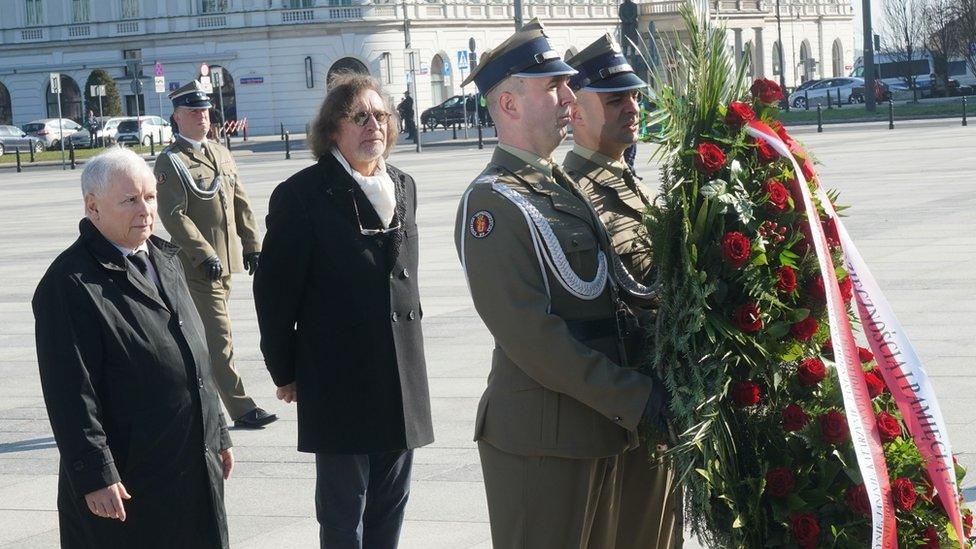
[[560, 404], [204, 208], [606, 122]]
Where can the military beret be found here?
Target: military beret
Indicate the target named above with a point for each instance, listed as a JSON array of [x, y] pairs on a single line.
[[191, 96], [602, 68], [527, 54]]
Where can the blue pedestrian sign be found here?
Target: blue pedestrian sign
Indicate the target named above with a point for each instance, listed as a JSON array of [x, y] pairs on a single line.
[[462, 59]]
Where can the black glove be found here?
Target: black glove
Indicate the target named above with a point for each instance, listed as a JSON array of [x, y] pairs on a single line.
[[212, 268], [251, 262]]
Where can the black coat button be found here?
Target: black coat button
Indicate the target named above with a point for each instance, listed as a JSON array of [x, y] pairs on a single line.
[[200, 381], [411, 315], [395, 316], [179, 322]]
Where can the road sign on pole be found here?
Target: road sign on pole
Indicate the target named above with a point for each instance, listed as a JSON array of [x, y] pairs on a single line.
[[160, 84], [158, 69], [462, 59], [55, 82], [55, 85], [205, 82]]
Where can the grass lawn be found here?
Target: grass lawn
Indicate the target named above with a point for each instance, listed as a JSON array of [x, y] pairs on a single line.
[[857, 113], [10, 158]]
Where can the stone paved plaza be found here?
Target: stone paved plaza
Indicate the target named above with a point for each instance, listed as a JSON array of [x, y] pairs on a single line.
[[912, 197]]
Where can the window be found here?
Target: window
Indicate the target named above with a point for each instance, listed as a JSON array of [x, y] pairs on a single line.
[[213, 6], [299, 4], [80, 11], [35, 12], [132, 58], [130, 9], [777, 68]]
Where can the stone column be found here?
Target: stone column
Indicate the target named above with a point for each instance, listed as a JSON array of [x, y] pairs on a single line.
[[759, 55], [738, 46]]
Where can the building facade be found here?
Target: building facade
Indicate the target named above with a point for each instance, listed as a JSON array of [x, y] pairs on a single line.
[[276, 55]]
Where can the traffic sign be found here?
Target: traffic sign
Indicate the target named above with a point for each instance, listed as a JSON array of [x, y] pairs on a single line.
[[158, 69], [462, 59], [96, 91], [160, 82], [136, 86], [217, 78], [55, 82], [204, 69]]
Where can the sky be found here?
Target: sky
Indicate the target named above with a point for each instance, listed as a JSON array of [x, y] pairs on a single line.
[[876, 19]]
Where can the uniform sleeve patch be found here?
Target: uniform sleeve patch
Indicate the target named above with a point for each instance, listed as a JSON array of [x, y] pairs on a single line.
[[161, 178], [481, 224]]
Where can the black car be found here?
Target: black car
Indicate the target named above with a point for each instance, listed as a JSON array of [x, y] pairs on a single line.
[[80, 140], [446, 114], [12, 137]]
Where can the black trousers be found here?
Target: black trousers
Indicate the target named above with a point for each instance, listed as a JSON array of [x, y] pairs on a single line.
[[360, 498]]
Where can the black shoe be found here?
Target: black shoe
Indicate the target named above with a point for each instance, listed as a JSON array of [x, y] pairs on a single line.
[[255, 419]]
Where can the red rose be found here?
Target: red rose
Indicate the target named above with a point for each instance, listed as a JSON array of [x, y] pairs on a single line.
[[807, 168], [888, 426], [967, 523], [833, 427], [805, 529], [865, 355], [786, 282], [777, 126], [780, 482], [794, 418], [766, 91], [846, 286], [745, 393], [709, 159], [932, 538], [875, 383], [828, 348], [811, 372], [736, 248], [857, 500], [817, 291], [739, 113], [904, 494], [747, 318], [779, 197], [831, 232], [804, 329], [764, 151]]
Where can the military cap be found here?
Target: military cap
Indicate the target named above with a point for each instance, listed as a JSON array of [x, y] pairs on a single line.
[[191, 96], [602, 68], [527, 54]]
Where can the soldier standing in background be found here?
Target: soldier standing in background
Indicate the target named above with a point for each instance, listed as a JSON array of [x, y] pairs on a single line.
[[204, 208]]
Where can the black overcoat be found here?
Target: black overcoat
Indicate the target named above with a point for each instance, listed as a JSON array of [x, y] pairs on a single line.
[[127, 383], [340, 313]]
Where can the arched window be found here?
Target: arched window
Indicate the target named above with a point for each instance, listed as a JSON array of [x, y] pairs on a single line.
[[440, 84], [777, 59], [6, 111], [346, 64], [70, 100], [838, 58]]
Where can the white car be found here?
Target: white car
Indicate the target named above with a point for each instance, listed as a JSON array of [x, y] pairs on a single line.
[[138, 130], [48, 131], [108, 128]]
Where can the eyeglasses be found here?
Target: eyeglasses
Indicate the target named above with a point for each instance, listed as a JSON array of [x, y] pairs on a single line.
[[361, 118], [369, 232]]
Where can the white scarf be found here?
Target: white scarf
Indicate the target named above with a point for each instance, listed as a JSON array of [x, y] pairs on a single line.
[[377, 187]]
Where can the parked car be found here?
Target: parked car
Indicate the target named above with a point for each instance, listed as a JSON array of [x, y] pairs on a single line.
[[138, 130], [816, 94], [882, 92], [12, 137], [446, 114], [48, 130], [108, 127]]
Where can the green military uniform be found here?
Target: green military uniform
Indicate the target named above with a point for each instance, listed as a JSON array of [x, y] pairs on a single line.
[[559, 407], [649, 502], [207, 213]]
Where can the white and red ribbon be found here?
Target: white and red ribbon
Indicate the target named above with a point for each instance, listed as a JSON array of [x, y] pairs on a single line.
[[857, 403]]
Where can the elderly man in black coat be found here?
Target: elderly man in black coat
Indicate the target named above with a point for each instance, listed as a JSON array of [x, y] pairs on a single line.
[[339, 312], [126, 378]]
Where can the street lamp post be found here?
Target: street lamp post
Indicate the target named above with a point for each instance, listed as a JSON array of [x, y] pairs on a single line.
[[518, 15], [868, 57], [782, 64]]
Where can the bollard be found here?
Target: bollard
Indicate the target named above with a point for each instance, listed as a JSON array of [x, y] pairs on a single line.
[[819, 119], [152, 146], [454, 130], [964, 111], [307, 130], [838, 98], [829, 99], [282, 131], [17, 152], [71, 153], [287, 146], [806, 96], [227, 141], [481, 142], [245, 132], [891, 115], [30, 147]]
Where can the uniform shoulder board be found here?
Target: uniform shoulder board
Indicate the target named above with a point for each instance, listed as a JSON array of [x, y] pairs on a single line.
[[486, 179]]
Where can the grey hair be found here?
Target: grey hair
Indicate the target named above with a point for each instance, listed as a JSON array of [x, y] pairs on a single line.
[[116, 161]]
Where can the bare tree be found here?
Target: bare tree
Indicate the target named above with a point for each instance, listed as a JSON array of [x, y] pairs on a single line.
[[942, 38], [903, 37], [966, 10]]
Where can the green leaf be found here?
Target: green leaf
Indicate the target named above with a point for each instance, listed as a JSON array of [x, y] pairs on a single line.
[[760, 259], [714, 188], [739, 521], [797, 315], [777, 329]]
